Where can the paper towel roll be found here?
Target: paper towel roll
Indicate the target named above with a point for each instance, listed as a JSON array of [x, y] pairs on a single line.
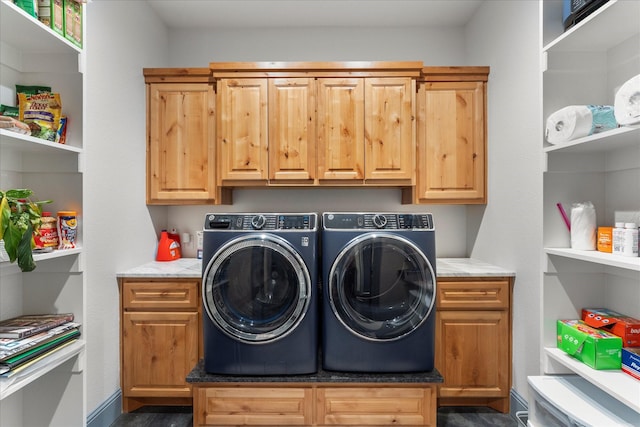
[[577, 121], [583, 226], [627, 102]]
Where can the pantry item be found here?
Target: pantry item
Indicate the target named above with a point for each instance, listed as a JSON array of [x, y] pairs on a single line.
[[631, 361], [583, 226], [67, 229], [168, 249], [627, 102], [57, 16], [626, 327], [617, 238], [41, 111], [605, 239], [630, 239], [13, 125], [47, 235], [594, 347], [73, 21], [577, 121]]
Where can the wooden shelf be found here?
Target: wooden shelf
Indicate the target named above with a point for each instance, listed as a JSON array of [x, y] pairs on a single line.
[[621, 386], [21, 29], [9, 386], [603, 258], [622, 137], [611, 24]]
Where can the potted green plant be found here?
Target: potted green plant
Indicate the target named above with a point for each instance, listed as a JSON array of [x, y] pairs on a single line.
[[19, 219]]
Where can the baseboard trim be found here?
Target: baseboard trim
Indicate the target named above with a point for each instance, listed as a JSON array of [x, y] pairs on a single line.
[[518, 404], [105, 414]]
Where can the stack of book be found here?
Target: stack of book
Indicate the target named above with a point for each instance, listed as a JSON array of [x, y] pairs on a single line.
[[24, 340]]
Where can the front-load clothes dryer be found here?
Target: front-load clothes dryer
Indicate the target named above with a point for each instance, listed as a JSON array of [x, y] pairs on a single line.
[[379, 290], [260, 293]]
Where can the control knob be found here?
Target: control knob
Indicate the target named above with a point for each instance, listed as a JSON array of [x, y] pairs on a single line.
[[379, 220], [258, 221]]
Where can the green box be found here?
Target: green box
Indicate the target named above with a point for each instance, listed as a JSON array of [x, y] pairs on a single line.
[[594, 347], [73, 21], [57, 16]]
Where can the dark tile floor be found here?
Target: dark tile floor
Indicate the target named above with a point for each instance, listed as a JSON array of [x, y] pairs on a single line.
[[156, 416]]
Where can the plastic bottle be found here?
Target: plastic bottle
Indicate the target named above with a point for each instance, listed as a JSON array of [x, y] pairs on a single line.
[[630, 239], [617, 238]]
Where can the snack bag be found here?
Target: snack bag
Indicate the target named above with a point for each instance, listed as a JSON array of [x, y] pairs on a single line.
[[42, 113]]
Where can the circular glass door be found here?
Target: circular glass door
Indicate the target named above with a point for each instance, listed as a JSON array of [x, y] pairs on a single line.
[[256, 288], [381, 287]]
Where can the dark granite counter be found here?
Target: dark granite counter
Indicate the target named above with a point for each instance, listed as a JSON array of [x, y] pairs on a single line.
[[198, 375]]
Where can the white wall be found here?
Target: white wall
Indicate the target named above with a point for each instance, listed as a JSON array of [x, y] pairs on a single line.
[[508, 231], [118, 231]]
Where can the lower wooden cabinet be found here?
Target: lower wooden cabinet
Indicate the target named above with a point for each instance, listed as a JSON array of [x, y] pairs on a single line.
[[473, 341], [281, 404], [159, 340]]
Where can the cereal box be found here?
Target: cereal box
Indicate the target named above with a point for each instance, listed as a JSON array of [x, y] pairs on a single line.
[[596, 348], [626, 327], [631, 361]]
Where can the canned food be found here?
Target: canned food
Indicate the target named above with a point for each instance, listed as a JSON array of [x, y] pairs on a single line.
[[67, 229]]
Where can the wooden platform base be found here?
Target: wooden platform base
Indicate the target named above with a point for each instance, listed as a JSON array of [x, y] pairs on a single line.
[[314, 404]]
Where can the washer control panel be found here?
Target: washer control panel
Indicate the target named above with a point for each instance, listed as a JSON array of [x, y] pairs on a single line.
[[377, 221], [259, 221]]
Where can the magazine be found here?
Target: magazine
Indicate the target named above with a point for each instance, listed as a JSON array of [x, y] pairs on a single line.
[[10, 346], [27, 325], [18, 360]]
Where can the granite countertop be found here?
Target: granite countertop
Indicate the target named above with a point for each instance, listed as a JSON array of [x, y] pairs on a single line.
[[192, 268], [198, 375]]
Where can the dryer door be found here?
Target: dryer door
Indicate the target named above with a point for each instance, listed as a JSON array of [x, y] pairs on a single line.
[[256, 288], [381, 287]]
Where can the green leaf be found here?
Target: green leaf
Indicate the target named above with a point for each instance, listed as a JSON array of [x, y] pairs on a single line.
[[12, 237], [21, 193], [25, 256], [5, 216]]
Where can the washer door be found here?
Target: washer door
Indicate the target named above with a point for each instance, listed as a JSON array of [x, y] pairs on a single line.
[[256, 288], [381, 287]]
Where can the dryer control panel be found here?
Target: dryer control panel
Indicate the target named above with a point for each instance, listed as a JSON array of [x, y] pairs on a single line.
[[377, 221], [259, 221]]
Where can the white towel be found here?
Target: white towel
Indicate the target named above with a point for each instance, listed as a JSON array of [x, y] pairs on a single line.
[[627, 102]]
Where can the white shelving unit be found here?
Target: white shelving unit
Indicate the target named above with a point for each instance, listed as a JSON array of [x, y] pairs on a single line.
[[586, 65], [53, 390]]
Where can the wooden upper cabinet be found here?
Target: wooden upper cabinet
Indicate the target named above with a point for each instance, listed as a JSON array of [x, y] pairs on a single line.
[[292, 129], [242, 129], [341, 129], [451, 135], [390, 129], [180, 137], [317, 123]]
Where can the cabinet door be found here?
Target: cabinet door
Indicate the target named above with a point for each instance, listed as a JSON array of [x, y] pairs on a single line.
[[159, 349], [242, 129], [451, 143], [389, 129], [180, 150], [292, 129], [340, 129]]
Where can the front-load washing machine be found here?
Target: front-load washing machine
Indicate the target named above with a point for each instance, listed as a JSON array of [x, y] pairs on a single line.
[[260, 293], [379, 290]]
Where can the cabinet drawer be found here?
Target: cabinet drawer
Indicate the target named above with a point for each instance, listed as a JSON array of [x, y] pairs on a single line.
[[473, 294], [384, 406], [273, 406], [150, 295]]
